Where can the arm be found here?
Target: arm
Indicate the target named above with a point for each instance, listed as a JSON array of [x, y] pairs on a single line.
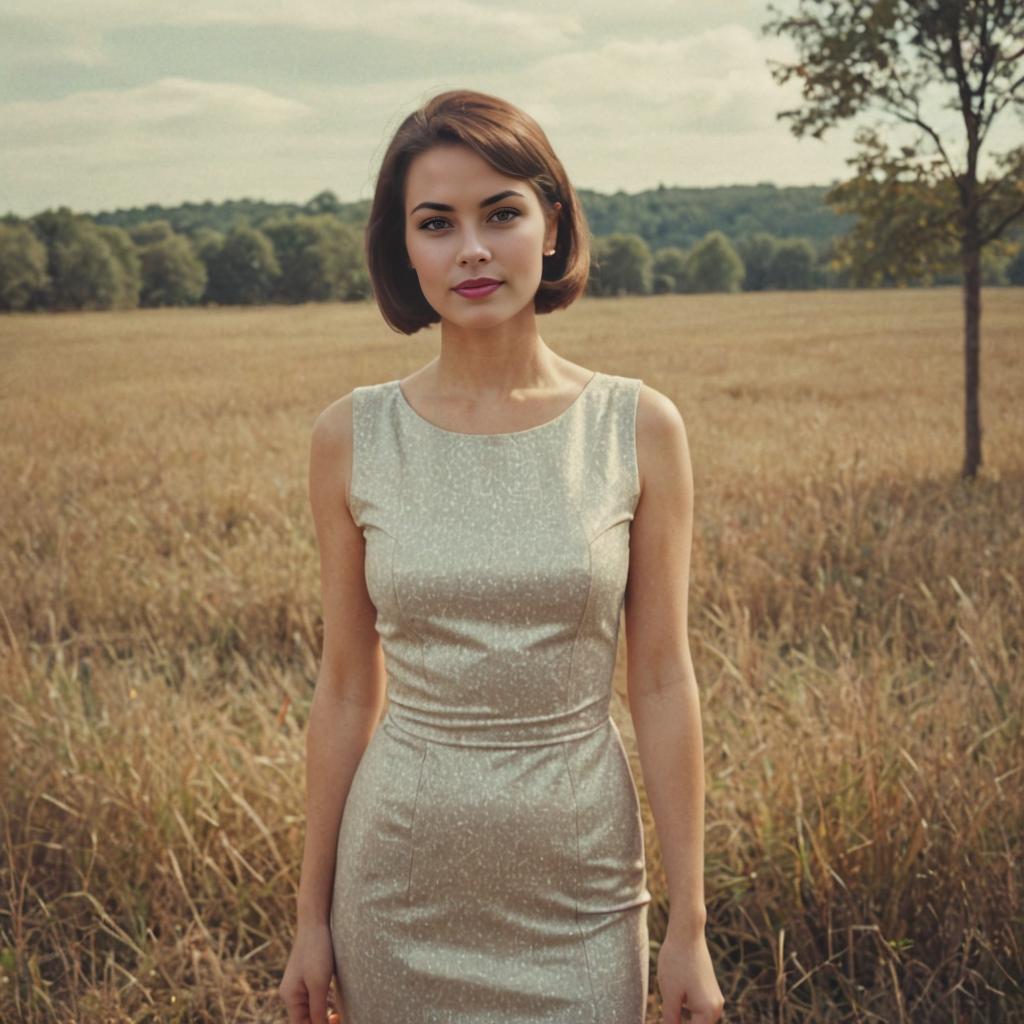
[[346, 706], [663, 699]]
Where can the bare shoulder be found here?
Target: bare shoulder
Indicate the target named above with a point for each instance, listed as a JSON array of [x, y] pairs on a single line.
[[333, 424], [661, 444], [330, 465]]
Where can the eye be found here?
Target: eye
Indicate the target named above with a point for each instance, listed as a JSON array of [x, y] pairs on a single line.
[[506, 209], [426, 224]]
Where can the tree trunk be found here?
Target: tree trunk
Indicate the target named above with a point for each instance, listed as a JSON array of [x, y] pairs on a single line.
[[971, 253]]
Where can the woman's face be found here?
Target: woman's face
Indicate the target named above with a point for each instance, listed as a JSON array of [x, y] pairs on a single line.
[[465, 220]]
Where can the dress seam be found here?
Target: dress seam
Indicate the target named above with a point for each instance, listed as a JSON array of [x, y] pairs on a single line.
[[412, 823], [583, 619], [634, 468], [576, 894], [353, 499]]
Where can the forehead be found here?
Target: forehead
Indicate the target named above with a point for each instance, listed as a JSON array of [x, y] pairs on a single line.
[[453, 174]]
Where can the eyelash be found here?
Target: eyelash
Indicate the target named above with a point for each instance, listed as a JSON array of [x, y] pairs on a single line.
[[504, 209]]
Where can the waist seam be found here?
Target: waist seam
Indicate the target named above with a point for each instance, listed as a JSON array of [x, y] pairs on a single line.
[[390, 720]]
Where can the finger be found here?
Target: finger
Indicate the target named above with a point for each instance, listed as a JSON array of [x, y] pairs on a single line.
[[297, 1011], [318, 1005], [671, 1013], [676, 1013]]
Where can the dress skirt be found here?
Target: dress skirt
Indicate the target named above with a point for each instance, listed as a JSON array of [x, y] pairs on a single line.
[[477, 885]]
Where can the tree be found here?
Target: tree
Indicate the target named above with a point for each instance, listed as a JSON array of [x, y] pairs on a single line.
[[670, 270], [757, 252], [172, 273], [792, 265], [207, 243], [319, 257], [918, 205], [23, 275], [151, 231], [1015, 268], [713, 265], [324, 202], [84, 271], [358, 284], [245, 270], [620, 264], [127, 257]]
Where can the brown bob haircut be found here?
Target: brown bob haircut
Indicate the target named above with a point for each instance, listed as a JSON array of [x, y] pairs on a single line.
[[514, 145]]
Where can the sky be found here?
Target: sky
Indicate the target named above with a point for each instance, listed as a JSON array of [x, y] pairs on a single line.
[[118, 103]]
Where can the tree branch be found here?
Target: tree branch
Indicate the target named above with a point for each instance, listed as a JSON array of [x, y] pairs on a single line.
[[966, 108], [915, 119], [991, 236]]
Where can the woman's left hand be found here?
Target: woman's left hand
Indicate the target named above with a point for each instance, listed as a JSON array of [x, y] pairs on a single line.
[[686, 980]]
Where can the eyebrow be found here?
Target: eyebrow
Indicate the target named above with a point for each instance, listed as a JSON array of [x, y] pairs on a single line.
[[497, 197]]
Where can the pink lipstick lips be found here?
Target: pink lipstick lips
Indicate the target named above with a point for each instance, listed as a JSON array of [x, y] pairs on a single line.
[[477, 287]]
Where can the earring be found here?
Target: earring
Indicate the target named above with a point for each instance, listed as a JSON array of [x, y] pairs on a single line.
[[550, 252]]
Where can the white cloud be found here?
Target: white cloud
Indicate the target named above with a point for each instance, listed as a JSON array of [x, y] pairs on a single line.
[[714, 82], [170, 106], [453, 23], [629, 96]]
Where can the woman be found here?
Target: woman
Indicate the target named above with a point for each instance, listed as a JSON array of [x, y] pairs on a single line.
[[481, 524]]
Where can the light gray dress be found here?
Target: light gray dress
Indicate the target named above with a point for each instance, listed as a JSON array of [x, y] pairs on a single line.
[[490, 864]]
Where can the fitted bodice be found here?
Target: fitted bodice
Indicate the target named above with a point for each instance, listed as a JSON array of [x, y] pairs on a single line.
[[497, 563]]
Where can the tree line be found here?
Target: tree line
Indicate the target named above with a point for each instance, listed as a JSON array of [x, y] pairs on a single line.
[[59, 260]]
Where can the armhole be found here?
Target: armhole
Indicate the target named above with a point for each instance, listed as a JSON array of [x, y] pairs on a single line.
[[634, 460], [355, 459]]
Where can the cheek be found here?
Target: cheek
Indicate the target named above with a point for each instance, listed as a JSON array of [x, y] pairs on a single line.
[[525, 249], [429, 260]]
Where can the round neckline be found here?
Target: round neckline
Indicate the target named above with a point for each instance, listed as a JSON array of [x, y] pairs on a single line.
[[404, 402]]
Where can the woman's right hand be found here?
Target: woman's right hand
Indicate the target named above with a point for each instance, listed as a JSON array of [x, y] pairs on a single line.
[[307, 977]]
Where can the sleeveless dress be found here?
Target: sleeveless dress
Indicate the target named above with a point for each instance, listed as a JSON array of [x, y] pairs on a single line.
[[490, 862]]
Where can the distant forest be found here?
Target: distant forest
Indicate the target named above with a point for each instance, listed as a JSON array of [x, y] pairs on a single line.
[[243, 252]]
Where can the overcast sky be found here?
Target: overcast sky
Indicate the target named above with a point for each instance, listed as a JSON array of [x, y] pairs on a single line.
[[114, 103]]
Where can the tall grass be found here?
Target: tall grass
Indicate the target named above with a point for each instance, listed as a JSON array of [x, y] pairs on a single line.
[[856, 623]]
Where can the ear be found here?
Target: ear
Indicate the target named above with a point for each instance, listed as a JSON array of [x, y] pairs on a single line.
[[551, 234]]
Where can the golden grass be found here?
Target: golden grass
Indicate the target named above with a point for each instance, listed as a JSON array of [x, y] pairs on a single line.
[[857, 623]]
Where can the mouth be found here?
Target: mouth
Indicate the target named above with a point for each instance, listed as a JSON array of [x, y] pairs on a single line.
[[478, 289]]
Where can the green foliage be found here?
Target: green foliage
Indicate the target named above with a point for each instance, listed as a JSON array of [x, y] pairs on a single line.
[[190, 218], [244, 270], [23, 275], [84, 271], [681, 217], [324, 202], [151, 231], [172, 273], [621, 264], [756, 252], [1015, 267], [127, 256], [995, 262], [207, 243], [792, 265], [319, 258], [670, 270], [713, 265], [908, 226]]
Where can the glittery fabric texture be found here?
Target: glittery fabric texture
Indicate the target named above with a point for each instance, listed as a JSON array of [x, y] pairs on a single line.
[[490, 863]]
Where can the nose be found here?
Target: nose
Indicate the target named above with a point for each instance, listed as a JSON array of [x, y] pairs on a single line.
[[473, 250]]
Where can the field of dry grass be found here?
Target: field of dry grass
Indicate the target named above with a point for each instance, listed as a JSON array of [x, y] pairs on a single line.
[[857, 624]]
